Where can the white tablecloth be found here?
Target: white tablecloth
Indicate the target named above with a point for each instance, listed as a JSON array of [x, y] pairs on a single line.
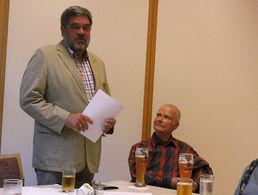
[[40, 190], [125, 188]]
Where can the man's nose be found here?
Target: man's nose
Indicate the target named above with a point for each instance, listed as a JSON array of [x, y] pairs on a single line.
[[160, 118], [80, 30]]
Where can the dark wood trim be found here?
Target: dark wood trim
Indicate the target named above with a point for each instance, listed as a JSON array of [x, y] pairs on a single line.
[[4, 15], [149, 70]]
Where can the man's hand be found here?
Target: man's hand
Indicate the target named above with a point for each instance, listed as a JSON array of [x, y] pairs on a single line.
[[195, 186], [174, 182], [109, 124], [77, 121]]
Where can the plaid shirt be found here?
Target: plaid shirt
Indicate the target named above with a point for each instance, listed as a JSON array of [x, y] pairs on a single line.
[[86, 73], [162, 164]]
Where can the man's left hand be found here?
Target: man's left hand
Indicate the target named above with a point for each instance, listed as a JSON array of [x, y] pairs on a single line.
[[109, 124]]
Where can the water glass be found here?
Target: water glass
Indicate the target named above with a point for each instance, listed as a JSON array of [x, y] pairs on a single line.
[[12, 187], [206, 184], [98, 188]]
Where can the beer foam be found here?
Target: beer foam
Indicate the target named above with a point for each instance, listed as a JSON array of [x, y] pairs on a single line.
[[140, 156], [206, 181], [184, 183]]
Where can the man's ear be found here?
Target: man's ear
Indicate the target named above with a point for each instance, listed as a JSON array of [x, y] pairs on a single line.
[[176, 125], [62, 28]]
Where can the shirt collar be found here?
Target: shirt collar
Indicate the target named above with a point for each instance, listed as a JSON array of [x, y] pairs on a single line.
[[72, 52], [156, 140]]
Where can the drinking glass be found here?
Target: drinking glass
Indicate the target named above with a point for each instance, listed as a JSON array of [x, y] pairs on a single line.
[[186, 162], [98, 188], [184, 186], [12, 187], [141, 157], [206, 184], [68, 178]]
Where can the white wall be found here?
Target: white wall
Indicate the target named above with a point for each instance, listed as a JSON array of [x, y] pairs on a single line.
[[207, 65], [118, 37]]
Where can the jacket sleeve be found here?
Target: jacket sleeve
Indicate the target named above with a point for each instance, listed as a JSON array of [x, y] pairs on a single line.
[[32, 95]]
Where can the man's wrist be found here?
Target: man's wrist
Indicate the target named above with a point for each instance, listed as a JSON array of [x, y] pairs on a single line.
[[111, 131], [195, 186]]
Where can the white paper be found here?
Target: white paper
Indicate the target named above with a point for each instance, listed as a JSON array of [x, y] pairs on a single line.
[[101, 106]]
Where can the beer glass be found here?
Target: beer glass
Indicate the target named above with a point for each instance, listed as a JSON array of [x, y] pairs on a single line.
[[12, 187], [141, 157], [184, 186], [206, 184], [186, 162], [68, 178]]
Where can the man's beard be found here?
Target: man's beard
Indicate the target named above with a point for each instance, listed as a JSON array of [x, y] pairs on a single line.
[[79, 47], [76, 46]]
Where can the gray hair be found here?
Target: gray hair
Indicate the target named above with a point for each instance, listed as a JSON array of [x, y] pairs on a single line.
[[177, 111], [75, 11]]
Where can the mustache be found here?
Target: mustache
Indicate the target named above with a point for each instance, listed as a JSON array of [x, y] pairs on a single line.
[[159, 124], [80, 39]]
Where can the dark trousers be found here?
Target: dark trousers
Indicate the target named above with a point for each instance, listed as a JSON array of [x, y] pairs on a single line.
[[53, 177]]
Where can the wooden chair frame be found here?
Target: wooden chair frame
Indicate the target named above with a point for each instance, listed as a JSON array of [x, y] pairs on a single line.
[[8, 161]]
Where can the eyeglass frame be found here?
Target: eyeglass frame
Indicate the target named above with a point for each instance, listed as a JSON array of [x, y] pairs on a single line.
[[86, 27]]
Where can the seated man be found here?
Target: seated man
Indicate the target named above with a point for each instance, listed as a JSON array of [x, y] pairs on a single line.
[[248, 183], [162, 166]]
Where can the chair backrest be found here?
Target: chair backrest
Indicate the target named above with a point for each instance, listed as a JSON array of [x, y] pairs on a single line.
[[10, 167]]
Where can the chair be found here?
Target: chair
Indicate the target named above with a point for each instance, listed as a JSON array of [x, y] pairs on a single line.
[[10, 167]]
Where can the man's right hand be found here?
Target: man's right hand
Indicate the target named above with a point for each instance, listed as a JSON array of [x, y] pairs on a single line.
[[77, 122], [174, 182]]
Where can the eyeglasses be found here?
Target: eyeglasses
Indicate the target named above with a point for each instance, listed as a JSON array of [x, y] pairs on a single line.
[[76, 27]]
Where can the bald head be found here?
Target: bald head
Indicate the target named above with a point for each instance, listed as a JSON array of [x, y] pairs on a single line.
[[166, 121], [176, 112]]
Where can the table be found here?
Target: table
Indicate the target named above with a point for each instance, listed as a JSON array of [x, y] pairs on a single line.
[[55, 189], [124, 186]]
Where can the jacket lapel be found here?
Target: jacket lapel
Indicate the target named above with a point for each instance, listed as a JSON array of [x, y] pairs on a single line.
[[64, 54], [93, 65]]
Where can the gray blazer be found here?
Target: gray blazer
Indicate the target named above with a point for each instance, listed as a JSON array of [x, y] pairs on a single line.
[[52, 88], [252, 185]]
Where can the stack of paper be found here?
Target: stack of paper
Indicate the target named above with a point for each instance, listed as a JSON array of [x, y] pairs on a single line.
[[101, 106]]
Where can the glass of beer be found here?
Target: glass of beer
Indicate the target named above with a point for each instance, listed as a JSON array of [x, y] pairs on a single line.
[[184, 186], [68, 178], [141, 157], [186, 162]]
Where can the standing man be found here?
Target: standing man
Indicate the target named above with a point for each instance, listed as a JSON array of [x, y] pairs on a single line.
[[57, 85], [162, 167]]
